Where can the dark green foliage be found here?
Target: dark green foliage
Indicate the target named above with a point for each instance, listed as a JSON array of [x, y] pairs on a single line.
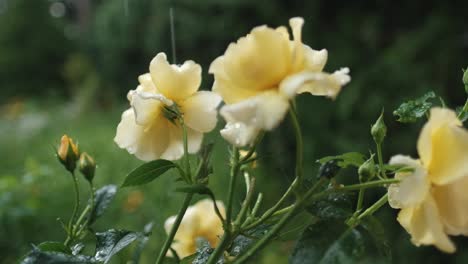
[[331, 241], [112, 241], [148, 172], [102, 199], [354, 159], [411, 111]]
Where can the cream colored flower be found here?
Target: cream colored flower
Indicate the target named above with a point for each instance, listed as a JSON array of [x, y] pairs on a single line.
[[200, 222], [146, 132], [433, 198], [261, 72]]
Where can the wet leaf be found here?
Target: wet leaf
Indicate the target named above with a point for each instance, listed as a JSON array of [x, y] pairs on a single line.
[[344, 160], [37, 256], [112, 241], [411, 111], [53, 246], [102, 199]]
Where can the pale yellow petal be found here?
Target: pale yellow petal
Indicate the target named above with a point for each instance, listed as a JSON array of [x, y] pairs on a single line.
[[424, 224], [449, 160], [439, 117], [239, 134], [146, 110], [258, 61], [195, 139], [146, 143], [211, 227], [175, 148], [296, 24], [200, 112], [452, 201], [175, 82], [147, 83], [315, 60], [413, 186], [316, 83]]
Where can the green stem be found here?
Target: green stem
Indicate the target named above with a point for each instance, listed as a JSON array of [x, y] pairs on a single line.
[[273, 209], [283, 221], [88, 208], [379, 156], [71, 234], [360, 200], [464, 109], [299, 143], [369, 211], [225, 240], [250, 153], [246, 203], [175, 227]]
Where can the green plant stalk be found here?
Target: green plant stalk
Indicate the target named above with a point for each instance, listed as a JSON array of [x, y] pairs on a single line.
[[369, 211], [175, 227], [283, 221], [251, 151], [299, 144], [379, 156], [464, 109], [88, 208], [360, 200], [246, 203], [273, 209], [71, 234], [226, 239], [252, 214]]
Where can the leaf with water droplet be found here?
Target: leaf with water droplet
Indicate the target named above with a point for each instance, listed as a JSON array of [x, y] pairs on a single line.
[[102, 199], [112, 241], [411, 111], [53, 257], [332, 241]]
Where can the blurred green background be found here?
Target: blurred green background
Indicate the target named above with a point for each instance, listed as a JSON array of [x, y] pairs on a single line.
[[65, 67]]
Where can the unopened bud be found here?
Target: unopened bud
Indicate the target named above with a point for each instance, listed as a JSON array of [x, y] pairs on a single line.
[[329, 169], [68, 153], [87, 166], [367, 170], [379, 130]]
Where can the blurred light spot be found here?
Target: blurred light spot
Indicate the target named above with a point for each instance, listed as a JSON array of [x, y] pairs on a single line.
[[57, 9]]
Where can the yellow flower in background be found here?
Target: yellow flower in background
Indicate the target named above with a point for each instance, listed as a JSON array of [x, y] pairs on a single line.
[[145, 129], [433, 198], [200, 222], [261, 72]]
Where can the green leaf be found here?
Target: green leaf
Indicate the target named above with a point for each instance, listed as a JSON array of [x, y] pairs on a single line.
[[411, 111], [336, 206], [54, 246], [347, 159], [148, 172], [331, 241], [37, 256], [112, 241], [102, 199], [462, 115], [242, 242]]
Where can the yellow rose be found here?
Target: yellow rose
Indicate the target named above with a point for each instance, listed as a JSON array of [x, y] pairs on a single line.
[[433, 198], [200, 221], [145, 129], [261, 72]]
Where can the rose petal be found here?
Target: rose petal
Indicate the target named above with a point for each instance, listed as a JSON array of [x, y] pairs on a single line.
[[175, 82], [424, 225], [200, 111], [413, 187]]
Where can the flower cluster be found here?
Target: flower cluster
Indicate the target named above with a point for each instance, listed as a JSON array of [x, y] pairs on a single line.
[[433, 197]]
